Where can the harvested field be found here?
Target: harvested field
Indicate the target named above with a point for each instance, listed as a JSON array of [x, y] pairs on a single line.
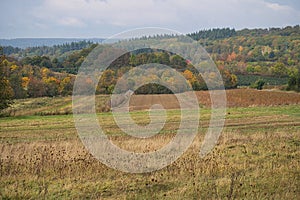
[[235, 98], [256, 157]]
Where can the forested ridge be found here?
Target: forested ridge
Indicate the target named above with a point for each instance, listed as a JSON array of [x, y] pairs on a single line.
[[243, 57]]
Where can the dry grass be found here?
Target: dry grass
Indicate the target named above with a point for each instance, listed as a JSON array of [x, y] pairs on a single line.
[[257, 157]]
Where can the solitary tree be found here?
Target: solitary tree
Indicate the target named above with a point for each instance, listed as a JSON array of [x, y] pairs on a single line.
[[259, 84]]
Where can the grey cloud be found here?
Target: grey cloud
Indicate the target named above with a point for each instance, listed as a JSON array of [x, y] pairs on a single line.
[[98, 18]]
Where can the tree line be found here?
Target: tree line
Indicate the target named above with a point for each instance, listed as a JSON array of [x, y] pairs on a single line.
[[35, 79], [129, 61], [51, 71], [49, 51]]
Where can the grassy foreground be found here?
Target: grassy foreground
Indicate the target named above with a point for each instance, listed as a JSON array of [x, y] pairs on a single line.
[[257, 157]]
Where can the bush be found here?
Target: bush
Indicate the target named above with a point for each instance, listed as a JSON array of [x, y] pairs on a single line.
[[258, 84]]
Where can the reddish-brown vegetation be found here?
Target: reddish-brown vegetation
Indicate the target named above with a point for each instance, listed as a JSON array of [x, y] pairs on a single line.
[[235, 98]]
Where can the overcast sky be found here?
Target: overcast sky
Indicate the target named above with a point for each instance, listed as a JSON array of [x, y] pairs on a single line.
[[103, 18]]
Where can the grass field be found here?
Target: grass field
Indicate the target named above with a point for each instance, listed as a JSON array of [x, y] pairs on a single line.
[[257, 157]]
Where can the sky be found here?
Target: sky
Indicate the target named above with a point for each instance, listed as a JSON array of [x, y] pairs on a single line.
[[104, 18]]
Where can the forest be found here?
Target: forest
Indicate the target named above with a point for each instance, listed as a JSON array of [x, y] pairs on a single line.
[[244, 57]]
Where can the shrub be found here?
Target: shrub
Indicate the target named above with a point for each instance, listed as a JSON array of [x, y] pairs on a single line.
[[258, 84]]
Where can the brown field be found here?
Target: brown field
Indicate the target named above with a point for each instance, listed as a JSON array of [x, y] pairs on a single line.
[[235, 98]]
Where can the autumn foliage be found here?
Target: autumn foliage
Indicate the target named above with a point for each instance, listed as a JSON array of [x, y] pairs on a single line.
[[24, 81]]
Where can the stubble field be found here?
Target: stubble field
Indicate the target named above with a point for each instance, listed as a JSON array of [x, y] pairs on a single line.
[[257, 157]]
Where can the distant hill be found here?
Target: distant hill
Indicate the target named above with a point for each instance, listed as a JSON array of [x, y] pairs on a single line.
[[38, 42], [245, 56]]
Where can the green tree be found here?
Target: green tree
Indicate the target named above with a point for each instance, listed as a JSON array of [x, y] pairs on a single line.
[[279, 70], [66, 86], [294, 81], [6, 92], [16, 84], [258, 84], [178, 62], [107, 81], [51, 86]]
